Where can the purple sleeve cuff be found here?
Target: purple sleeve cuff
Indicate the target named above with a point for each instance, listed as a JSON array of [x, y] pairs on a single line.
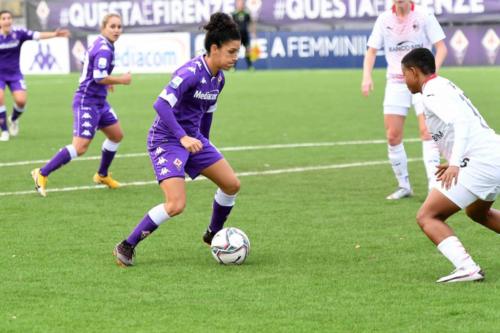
[[166, 114]]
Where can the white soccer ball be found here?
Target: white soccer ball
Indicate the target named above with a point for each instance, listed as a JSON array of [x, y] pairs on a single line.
[[230, 246]]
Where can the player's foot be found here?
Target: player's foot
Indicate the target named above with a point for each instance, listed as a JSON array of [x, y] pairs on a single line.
[[40, 182], [4, 136], [463, 275], [400, 193], [13, 126], [208, 236], [124, 254], [106, 180]]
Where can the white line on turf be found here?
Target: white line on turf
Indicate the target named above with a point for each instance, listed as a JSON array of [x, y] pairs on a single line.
[[238, 148], [240, 174]]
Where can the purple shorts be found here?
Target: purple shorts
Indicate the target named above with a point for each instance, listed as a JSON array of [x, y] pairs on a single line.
[[171, 159], [90, 116], [14, 85]]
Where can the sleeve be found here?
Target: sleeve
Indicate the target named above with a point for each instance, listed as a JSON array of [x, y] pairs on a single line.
[[206, 124], [29, 35], [166, 114], [376, 39], [433, 29], [102, 64], [452, 114], [176, 90]]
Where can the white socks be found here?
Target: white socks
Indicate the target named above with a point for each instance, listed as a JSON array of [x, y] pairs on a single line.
[[224, 199], [399, 162], [158, 214], [455, 252], [110, 145], [431, 156]]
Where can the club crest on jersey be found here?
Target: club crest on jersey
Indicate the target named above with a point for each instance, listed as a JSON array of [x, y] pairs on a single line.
[[178, 164], [416, 26]]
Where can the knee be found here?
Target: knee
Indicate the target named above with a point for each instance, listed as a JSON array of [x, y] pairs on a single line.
[[21, 104], [175, 207], [394, 137], [422, 218], [233, 187], [81, 149], [118, 137]]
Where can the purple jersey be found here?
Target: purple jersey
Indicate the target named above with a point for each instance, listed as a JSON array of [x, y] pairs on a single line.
[[10, 52], [98, 63], [192, 92]]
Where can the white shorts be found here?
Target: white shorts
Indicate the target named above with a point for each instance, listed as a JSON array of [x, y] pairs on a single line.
[[477, 180], [398, 99]]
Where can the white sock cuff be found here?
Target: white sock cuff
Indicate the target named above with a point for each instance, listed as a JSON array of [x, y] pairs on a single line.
[[224, 199], [18, 109], [110, 145], [158, 214], [3, 109], [445, 242], [72, 151], [396, 148]]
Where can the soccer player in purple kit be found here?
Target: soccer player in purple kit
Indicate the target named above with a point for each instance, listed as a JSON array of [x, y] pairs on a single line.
[[178, 139], [91, 111], [11, 40]]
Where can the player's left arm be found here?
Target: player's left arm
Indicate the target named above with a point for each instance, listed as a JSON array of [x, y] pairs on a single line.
[[441, 52], [52, 34], [450, 112]]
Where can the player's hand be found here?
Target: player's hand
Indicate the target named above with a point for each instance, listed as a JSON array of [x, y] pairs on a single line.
[[62, 33], [191, 144], [126, 78], [367, 86], [449, 177], [440, 170], [111, 88]]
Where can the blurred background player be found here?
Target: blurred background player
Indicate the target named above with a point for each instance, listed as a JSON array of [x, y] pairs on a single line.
[[178, 139], [399, 30], [246, 26], [91, 111], [11, 40], [471, 179]]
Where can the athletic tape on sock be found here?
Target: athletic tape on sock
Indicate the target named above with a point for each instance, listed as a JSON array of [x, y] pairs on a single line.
[[224, 199], [110, 145], [158, 214]]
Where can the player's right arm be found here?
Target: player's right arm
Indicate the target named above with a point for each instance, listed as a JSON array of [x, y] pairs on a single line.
[[375, 43], [102, 69], [171, 96], [368, 63]]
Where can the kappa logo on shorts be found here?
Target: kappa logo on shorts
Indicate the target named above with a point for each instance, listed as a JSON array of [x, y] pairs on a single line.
[[86, 133], [164, 171], [87, 125], [159, 150], [178, 164], [161, 161], [86, 115]]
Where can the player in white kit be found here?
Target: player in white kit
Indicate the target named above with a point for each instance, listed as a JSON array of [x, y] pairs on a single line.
[[471, 178], [398, 31]]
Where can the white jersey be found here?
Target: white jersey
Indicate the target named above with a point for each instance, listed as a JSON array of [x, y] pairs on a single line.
[[456, 125], [398, 36]]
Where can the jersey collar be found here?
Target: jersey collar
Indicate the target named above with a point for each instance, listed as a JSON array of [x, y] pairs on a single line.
[[427, 79], [202, 57]]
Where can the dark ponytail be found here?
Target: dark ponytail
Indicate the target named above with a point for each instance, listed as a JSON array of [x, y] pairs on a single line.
[[220, 29]]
